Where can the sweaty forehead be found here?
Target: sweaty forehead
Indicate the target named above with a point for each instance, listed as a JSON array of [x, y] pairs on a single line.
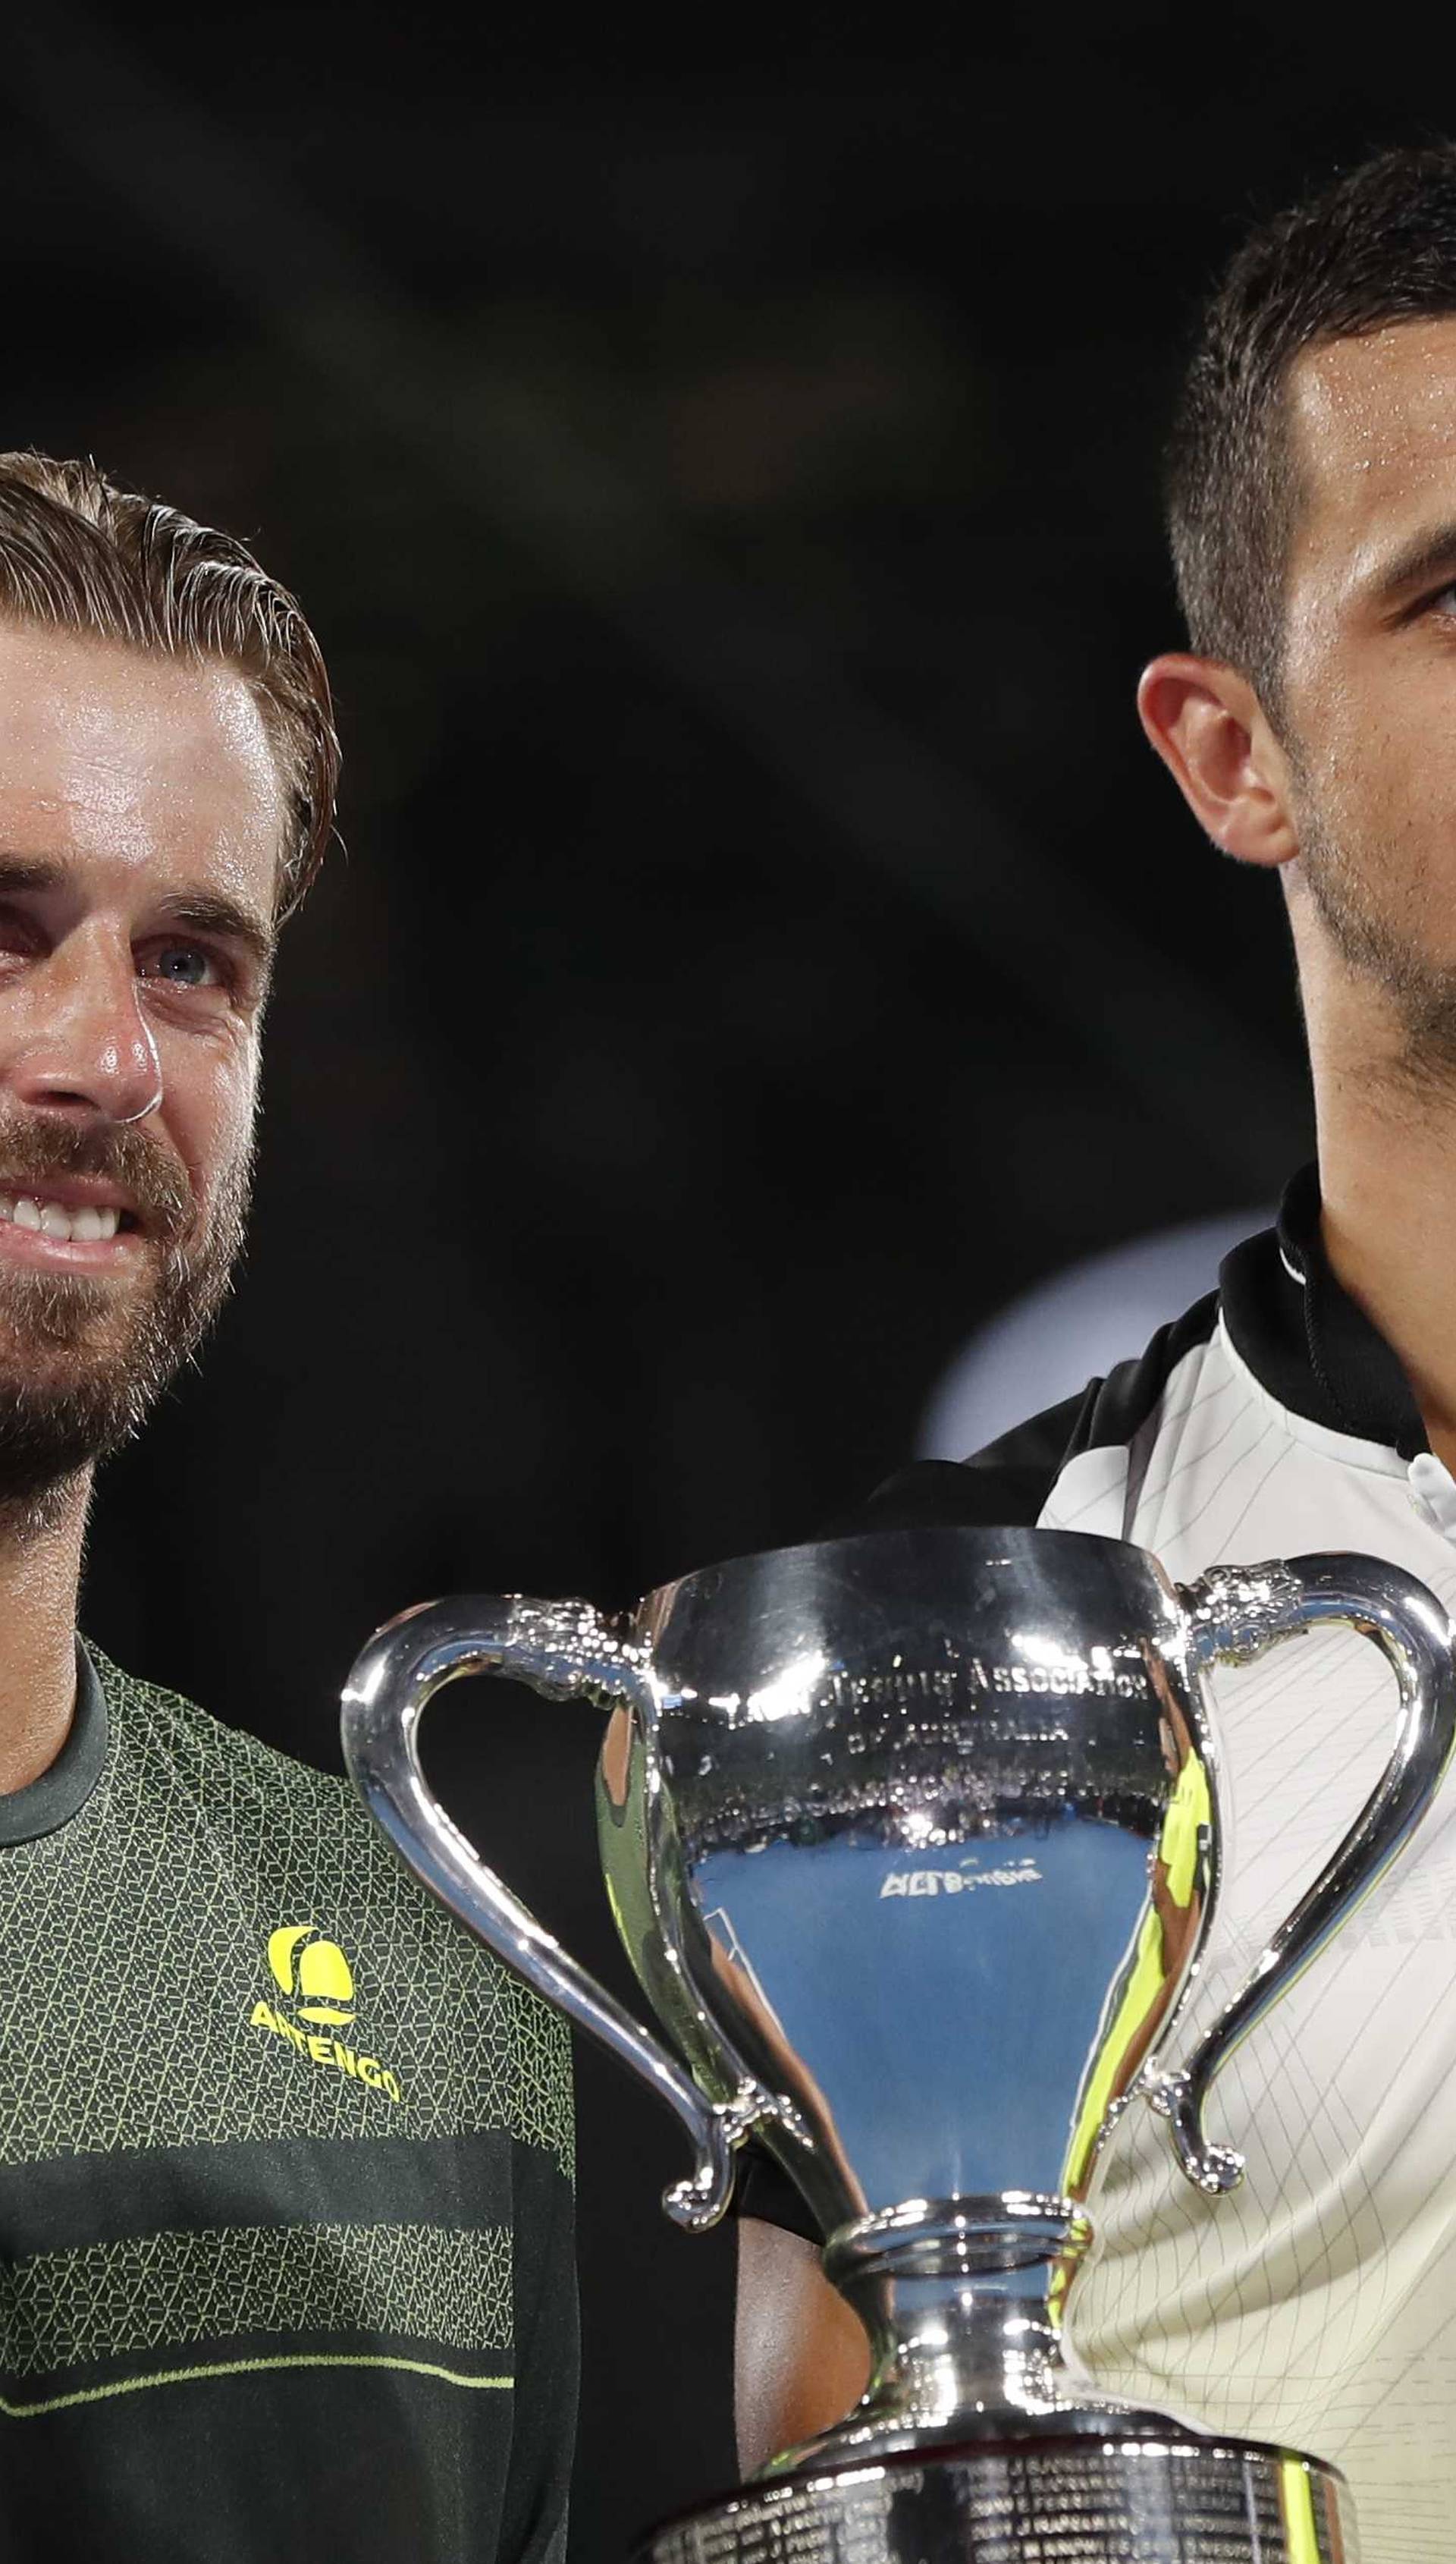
[[135, 758], [1373, 432]]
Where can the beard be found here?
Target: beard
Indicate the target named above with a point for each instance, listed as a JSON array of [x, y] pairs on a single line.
[[1385, 947], [83, 1359]]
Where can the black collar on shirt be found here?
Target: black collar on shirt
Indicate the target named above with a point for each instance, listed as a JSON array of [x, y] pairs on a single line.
[[51, 1801], [1303, 1336]]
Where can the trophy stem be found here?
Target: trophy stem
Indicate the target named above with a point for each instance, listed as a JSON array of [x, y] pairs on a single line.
[[957, 2298]]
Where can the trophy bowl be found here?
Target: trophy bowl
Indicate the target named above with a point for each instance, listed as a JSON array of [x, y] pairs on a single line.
[[914, 1840]]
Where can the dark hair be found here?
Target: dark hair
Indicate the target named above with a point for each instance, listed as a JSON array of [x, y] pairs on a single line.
[[80, 554], [1377, 246]]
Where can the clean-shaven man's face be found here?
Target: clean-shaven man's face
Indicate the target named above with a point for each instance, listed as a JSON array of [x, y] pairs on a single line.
[[1350, 780], [1369, 681], [141, 824]]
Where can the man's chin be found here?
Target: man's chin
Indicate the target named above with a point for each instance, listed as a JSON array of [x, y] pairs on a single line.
[[74, 1390], [41, 1314], [47, 1438]]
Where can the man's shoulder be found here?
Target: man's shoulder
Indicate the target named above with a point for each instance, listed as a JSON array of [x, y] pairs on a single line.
[[222, 1766], [288, 1837], [287, 1863]]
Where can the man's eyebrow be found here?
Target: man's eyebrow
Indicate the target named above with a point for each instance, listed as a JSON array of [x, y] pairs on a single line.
[[209, 912], [30, 872], [213, 914], [1423, 556]]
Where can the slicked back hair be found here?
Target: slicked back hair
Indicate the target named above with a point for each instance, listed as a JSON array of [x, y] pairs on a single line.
[[79, 554], [1377, 247]]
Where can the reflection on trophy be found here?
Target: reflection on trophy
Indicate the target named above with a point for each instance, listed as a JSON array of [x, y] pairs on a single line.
[[913, 1840]]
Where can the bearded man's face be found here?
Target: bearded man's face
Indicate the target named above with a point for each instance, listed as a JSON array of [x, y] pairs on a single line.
[[140, 823], [81, 1361]]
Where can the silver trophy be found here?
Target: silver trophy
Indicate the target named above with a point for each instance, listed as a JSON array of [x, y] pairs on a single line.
[[914, 1840]]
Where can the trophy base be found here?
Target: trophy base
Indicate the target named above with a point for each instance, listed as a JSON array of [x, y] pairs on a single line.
[[1057, 2501]]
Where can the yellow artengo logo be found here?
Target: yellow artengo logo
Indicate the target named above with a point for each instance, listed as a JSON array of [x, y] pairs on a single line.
[[317, 1985]]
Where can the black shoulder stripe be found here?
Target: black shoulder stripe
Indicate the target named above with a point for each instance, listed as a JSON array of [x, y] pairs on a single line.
[[1132, 1390], [1010, 1482]]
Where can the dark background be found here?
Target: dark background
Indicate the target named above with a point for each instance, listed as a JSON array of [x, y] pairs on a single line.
[[723, 478]]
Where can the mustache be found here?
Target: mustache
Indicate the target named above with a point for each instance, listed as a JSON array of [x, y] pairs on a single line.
[[152, 1179]]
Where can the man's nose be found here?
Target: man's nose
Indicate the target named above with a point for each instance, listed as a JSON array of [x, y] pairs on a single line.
[[83, 1047]]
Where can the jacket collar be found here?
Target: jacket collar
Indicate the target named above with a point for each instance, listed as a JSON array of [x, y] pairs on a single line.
[[1305, 1339]]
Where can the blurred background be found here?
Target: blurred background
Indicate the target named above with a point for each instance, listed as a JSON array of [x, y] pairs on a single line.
[[723, 475]]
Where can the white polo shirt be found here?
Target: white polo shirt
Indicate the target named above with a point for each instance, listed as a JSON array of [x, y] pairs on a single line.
[[1316, 2305]]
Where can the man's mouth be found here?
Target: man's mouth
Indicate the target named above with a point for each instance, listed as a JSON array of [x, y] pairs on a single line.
[[71, 1211]]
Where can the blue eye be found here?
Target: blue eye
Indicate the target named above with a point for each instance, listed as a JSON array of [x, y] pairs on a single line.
[[186, 966]]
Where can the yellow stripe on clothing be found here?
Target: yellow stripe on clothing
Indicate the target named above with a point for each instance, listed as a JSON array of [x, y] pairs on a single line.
[[242, 2368]]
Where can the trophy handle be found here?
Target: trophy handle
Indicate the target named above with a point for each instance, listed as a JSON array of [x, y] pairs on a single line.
[[1236, 1613], [563, 1651]]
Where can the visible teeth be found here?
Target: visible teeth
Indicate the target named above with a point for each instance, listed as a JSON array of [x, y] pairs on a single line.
[[89, 1222]]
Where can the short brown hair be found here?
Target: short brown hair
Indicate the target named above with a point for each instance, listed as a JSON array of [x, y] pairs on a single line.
[[1376, 247], [80, 554]]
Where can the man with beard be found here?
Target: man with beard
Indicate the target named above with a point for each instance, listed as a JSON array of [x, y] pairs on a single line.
[[1307, 1405], [285, 2220]]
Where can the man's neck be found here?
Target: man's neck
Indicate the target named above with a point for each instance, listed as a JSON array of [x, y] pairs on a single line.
[[40, 1574], [1387, 1181]]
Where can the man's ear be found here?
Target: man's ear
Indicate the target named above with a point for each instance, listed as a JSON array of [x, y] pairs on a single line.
[[1206, 722]]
